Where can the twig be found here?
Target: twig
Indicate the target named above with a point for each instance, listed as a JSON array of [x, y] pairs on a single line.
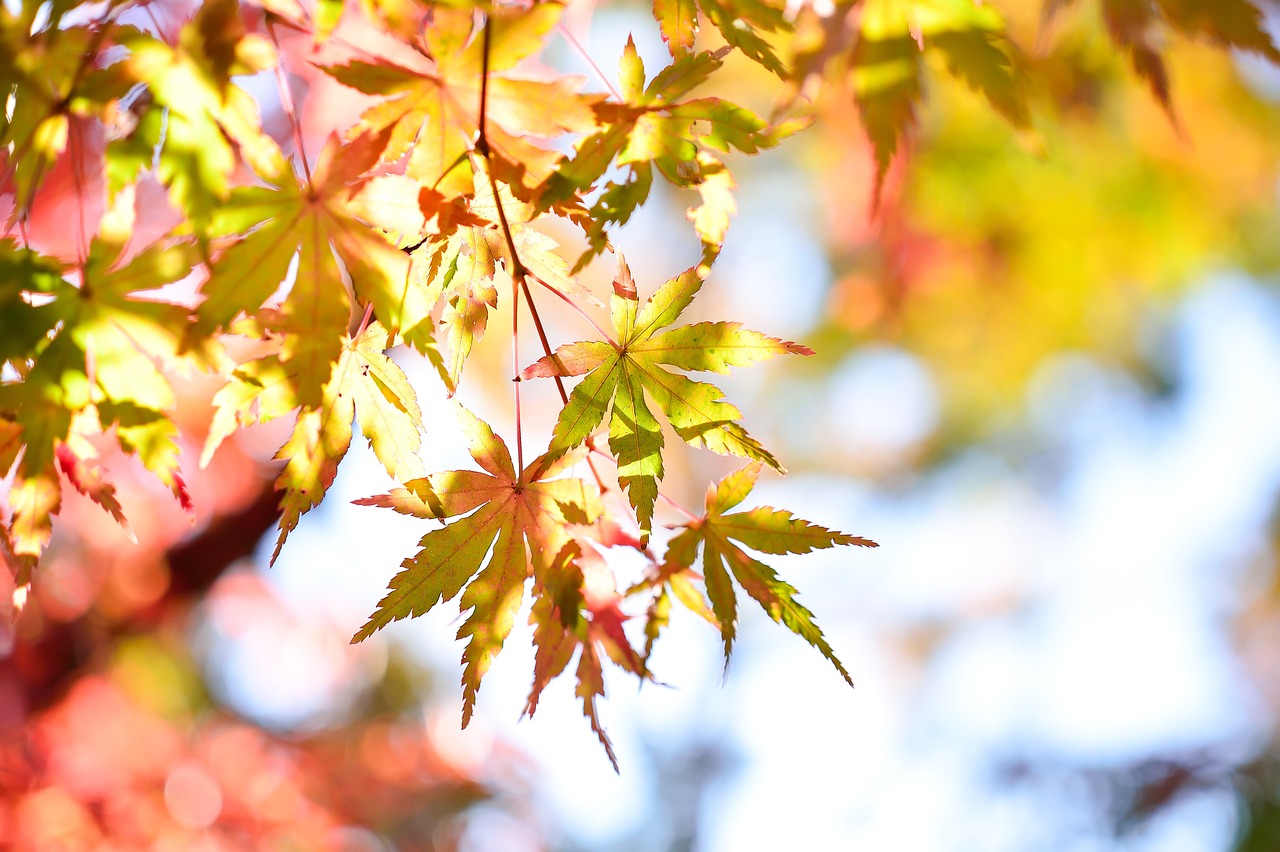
[[286, 102], [481, 147], [519, 272], [582, 51], [571, 303]]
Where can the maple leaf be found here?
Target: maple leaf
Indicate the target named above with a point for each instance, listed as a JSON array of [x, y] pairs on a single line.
[[1136, 28], [469, 295], [206, 121], [103, 343], [765, 530], [312, 220], [52, 76], [258, 391], [462, 270], [439, 109], [678, 21], [23, 325], [516, 522], [619, 374], [78, 462], [34, 499], [742, 22], [365, 384], [890, 45], [658, 126], [577, 608]]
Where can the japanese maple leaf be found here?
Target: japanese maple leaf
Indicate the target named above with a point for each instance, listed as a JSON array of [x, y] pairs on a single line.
[[887, 49], [465, 269], [51, 77], [722, 537], [207, 123], [365, 384], [516, 523], [98, 351], [437, 111], [1135, 28], [657, 125], [312, 220], [621, 375], [578, 609]]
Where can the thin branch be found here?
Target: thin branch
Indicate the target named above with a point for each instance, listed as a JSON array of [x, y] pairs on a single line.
[[364, 322], [286, 103], [582, 51], [517, 271], [77, 181], [681, 509], [571, 303]]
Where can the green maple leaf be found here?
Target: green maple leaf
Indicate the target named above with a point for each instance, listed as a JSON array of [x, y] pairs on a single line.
[[621, 374], [24, 326], [313, 221], [722, 537], [52, 76], [201, 124], [105, 344], [365, 384], [890, 47], [516, 523], [657, 126]]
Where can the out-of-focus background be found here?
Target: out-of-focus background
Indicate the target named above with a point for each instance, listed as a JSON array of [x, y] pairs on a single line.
[[1047, 383]]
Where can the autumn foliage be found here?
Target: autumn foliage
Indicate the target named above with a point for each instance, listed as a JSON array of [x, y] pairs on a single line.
[[157, 227]]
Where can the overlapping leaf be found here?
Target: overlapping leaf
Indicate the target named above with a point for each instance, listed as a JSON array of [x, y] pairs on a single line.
[[722, 537], [51, 76], [200, 123], [578, 609], [516, 522], [744, 24], [884, 50], [1137, 29], [91, 355], [311, 220], [463, 260], [365, 384], [434, 114], [657, 126], [620, 374]]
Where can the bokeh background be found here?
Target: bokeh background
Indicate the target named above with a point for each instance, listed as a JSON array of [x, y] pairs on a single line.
[[1046, 383]]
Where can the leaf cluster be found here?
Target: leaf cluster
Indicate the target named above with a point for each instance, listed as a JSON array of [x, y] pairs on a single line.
[[294, 278]]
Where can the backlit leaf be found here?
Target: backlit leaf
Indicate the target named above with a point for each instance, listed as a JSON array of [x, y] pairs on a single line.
[[516, 525], [724, 562], [622, 374]]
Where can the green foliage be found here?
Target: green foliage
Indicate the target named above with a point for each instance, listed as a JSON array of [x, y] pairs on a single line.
[[620, 373], [430, 214]]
